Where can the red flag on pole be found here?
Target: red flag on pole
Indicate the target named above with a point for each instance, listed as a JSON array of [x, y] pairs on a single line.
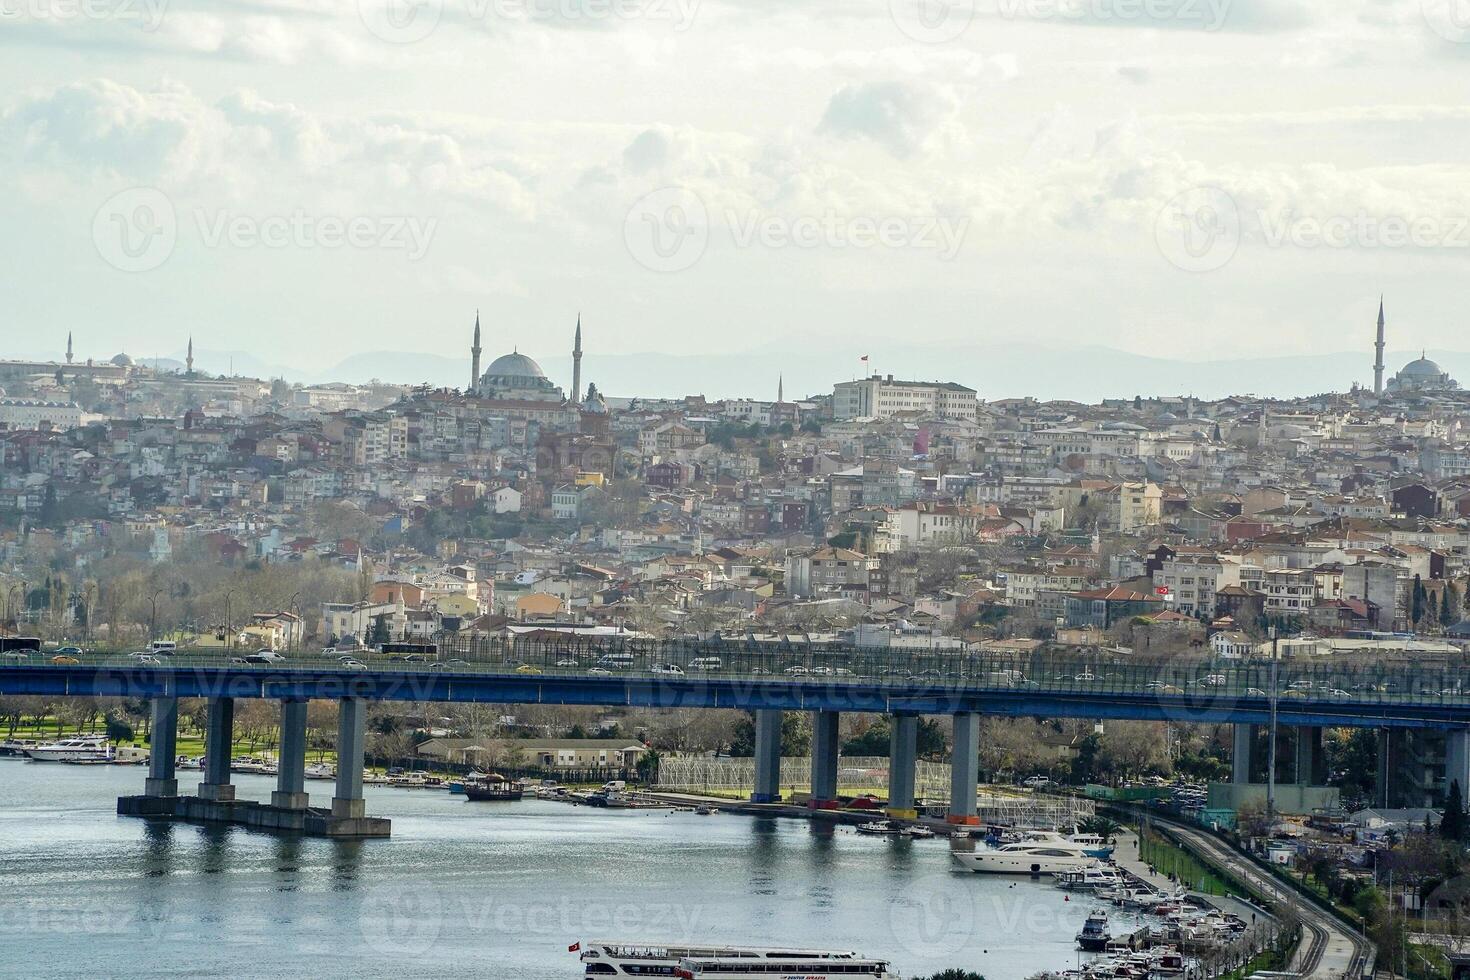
[[574, 946]]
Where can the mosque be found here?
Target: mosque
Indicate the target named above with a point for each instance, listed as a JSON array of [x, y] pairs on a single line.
[[1420, 375], [518, 376]]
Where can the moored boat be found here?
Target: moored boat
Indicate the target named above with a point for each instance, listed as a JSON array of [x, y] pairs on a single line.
[[80, 750], [1094, 935], [604, 959], [493, 787], [1027, 857]]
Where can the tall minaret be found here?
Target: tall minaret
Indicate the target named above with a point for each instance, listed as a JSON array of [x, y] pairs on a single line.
[[475, 356], [781, 389], [1378, 360], [68, 347], [189, 359], [577, 363]]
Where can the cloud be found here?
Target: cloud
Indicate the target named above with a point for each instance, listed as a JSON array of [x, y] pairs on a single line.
[[896, 115]]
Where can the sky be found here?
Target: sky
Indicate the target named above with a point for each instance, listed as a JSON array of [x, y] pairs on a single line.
[[310, 180]]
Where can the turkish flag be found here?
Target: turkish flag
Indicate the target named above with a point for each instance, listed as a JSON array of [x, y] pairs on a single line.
[[574, 947]]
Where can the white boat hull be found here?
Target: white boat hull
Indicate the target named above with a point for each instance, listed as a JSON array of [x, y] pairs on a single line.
[[1020, 863], [69, 755]]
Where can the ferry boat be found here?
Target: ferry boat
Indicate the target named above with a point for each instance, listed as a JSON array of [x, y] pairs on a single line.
[[804, 968], [493, 786], [879, 828], [615, 959], [80, 750], [1094, 935], [1027, 857]]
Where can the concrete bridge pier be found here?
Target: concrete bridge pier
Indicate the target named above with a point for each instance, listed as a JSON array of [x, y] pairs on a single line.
[[163, 734], [351, 732], [218, 742], [1311, 762], [290, 791], [825, 752], [903, 744], [964, 770], [767, 756], [1240, 755], [1457, 762]]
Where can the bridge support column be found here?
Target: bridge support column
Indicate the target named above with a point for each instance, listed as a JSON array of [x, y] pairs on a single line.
[[1384, 792], [964, 769], [903, 746], [351, 729], [218, 739], [1457, 762], [1310, 761], [1240, 756], [825, 752], [163, 734], [291, 772], [767, 756]]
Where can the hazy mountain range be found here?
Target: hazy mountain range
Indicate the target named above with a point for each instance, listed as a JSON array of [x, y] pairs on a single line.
[[1085, 374]]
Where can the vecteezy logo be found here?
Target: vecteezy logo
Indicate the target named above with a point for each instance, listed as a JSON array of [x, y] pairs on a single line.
[[400, 21], [932, 21], [935, 917], [1450, 19], [1198, 230], [401, 921], [667, 230], [135, 230]]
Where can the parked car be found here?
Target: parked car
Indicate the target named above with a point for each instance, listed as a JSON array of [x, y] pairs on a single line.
[[1036, 782]]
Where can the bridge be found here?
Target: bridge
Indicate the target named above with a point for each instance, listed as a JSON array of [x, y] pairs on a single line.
[[1303, 695]]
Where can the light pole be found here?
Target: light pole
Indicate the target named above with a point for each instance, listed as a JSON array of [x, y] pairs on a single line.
[[153, 614], [295, 625], [1271, 748], [229, 635]]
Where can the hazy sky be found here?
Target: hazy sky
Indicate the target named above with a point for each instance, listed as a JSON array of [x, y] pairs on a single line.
[[316, 178]]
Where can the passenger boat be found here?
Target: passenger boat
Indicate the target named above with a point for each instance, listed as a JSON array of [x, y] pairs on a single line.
[[1094, 935], [1094, 844], [82, 749], [493, 787], [917, 831], [878, 828], [321, 770], [806, 968], [1096, 879], [1027, 857], [16, 748], [705, 810], [614, 959]]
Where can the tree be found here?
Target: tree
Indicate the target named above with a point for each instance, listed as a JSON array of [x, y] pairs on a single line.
[[1416, 601], [647, 767], [378, 634], [1452, 826], [1449, 606]]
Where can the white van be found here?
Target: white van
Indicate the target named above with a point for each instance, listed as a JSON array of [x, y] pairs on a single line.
[[164, 647], [616, 660], [706, 663]]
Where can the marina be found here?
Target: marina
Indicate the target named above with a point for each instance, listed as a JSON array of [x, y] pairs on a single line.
[[456, 885]]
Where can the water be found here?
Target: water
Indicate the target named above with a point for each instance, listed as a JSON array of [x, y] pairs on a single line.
[[476, 889]]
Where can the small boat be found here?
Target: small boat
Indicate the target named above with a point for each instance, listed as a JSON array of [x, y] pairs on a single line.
[[493, 787], [1094, 935], [81, 750], [16, 748], [917, 831], [321, 770], [879, 828], [704, 809]]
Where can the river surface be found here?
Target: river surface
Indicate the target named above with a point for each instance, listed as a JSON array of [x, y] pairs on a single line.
[[476, 889]]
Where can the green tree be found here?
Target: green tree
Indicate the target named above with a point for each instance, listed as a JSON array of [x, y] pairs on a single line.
[[1416, 601], [379, 632], [1452, 826]]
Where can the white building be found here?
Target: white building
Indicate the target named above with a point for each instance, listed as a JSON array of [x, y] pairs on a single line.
[[881, 397], [30, 413]]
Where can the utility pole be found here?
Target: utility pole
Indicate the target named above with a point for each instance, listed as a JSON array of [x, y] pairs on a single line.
[[1271, 748]]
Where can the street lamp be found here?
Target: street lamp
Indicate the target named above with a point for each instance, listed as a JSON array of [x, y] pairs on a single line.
[[229, 636], [1271, 750], [293, 626], [153, 613]]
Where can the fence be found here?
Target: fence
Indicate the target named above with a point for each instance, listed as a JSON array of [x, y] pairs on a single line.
[[869, 774]]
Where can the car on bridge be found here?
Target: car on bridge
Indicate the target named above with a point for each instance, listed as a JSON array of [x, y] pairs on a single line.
[[64, 661], [15, 656], [670, 670], [568, 662], [599, 672], [265, 657], [528, 669], [69, 651]]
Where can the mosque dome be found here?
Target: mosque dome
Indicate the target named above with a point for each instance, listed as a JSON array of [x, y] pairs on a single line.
[[1421, 368], [514, 365]]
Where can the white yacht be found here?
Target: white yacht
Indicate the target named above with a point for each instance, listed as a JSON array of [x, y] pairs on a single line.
[[81, 749], [1028, 857], [615, 959]]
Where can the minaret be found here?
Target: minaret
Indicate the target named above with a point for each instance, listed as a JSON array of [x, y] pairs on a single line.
[[475, 356], [189, 359], [68, 347], [577, 363], [781, 389], [1378, 360]]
